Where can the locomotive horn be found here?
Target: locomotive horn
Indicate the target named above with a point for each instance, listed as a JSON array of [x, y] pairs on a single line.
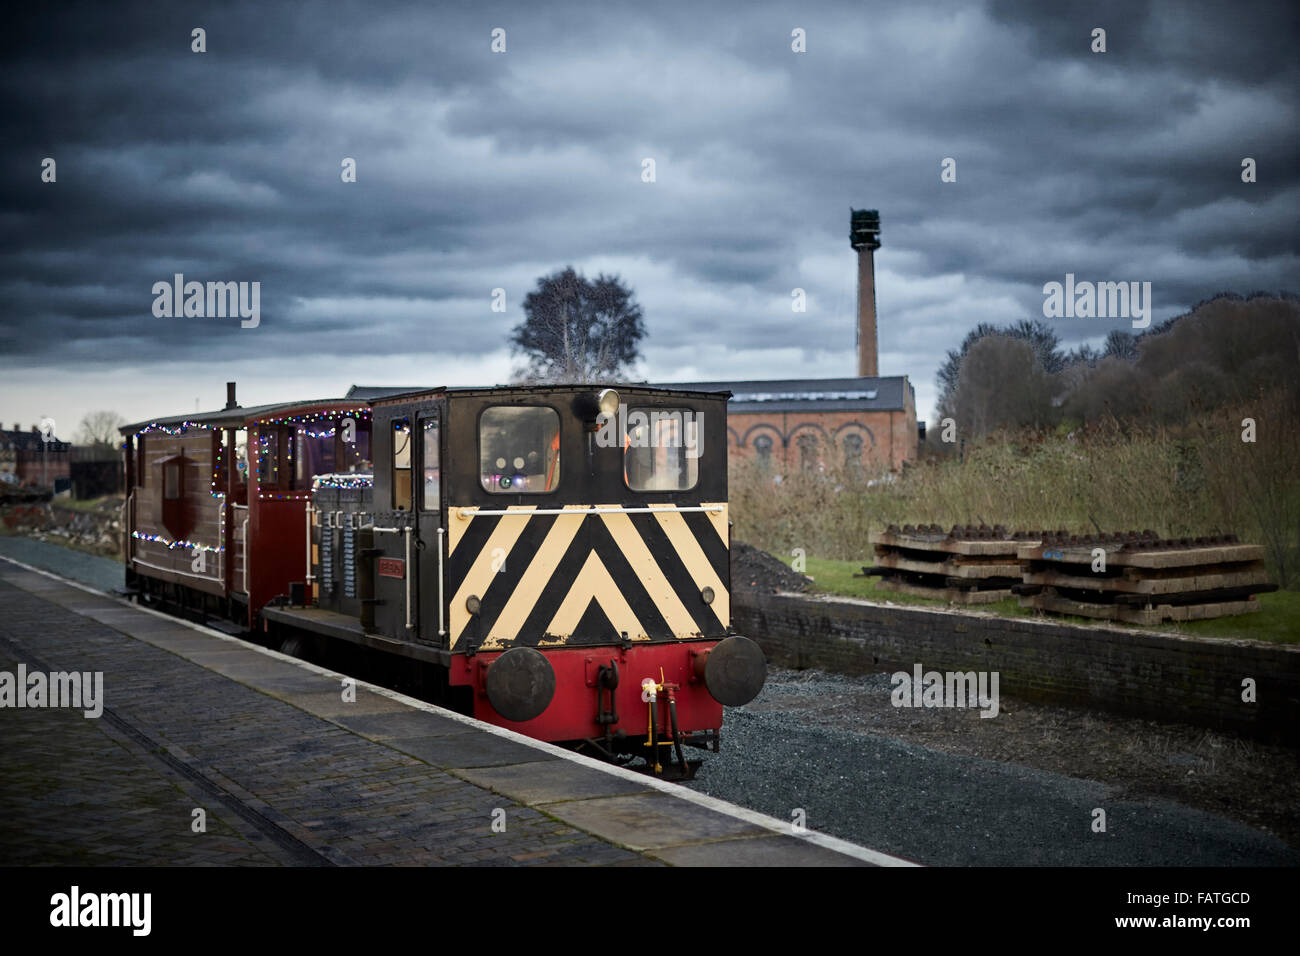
[[520, 683], [734, 671]]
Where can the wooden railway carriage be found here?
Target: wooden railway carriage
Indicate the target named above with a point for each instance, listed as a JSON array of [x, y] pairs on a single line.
[[556, 557], [217, 503]]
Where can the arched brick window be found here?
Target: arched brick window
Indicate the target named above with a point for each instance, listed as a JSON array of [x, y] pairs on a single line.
[[853, 450], [808, 452]]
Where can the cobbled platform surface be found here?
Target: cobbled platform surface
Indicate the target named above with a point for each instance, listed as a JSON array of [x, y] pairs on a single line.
[[286, 772]]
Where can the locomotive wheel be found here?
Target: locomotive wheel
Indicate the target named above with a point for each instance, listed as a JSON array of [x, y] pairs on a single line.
[[293, 645]]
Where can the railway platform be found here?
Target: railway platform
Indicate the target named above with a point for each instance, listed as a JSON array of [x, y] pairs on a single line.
[[208, 750]]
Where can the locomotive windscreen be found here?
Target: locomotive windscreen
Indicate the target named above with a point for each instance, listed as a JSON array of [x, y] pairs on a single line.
[[661, 450], [519, 449]]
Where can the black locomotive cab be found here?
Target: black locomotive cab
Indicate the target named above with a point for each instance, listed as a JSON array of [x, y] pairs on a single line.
[[495, 511], [584, 516]]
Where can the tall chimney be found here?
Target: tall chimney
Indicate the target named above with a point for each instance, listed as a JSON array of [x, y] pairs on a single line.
[[230, 396], [864, 236]]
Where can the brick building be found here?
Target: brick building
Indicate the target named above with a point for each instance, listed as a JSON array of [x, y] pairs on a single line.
[[805, 423], [30, 458], [867, 421]]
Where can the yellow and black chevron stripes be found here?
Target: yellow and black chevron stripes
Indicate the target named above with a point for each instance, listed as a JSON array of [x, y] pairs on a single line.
[[697, 563], [539, 563], [587, 575], [646, 569], [593, 583]]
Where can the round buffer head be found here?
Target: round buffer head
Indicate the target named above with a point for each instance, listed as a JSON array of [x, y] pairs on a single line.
[[520, 683], [735, 671]]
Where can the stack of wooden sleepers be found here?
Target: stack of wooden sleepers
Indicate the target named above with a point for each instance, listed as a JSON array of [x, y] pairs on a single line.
[[1135, 577], [964, 565]]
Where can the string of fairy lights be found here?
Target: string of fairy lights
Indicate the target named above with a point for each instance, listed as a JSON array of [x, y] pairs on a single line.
[[362, 414], [261, 447], [172, 545], [343, 481]]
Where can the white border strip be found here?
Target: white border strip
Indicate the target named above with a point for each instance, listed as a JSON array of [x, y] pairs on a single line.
[[473, 511], [781, 827]]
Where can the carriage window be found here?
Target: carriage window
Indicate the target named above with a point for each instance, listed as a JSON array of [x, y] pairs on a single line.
[[402, 464], [429, 499], [172, 480], [220, 460], [661, 450], [519, 449], [241, 456], [268, 456], [354, 446], [141, 466], [312, 449]]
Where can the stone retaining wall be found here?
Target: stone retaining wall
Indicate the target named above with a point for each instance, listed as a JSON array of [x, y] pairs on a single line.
[[1160, 676]]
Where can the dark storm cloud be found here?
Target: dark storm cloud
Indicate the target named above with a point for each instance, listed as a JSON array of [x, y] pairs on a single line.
[[478, 170]]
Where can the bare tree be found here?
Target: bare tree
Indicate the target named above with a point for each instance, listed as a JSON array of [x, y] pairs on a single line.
[[1001, 384], [100, 428], [577, 330]]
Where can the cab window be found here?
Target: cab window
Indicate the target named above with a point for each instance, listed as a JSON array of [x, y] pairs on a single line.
[[519, 449], [402, 464], [661, 449], [429, 500]]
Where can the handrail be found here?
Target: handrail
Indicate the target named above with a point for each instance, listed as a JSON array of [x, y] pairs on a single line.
[[221, 539], [442, 627], [409, 576], [310, 514], [472, 510], [128, 525]]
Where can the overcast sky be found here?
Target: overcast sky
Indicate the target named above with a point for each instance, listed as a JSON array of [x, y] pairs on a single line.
[[477, 170]]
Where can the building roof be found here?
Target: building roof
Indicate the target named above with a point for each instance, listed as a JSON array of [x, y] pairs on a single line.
[[231, 417], [808, 394], [363, 393], [31, 441]]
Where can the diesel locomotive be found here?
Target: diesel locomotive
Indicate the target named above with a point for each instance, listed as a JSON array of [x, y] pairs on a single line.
[[551, 559]]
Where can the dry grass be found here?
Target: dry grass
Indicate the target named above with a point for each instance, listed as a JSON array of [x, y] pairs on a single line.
[[1197, 479]]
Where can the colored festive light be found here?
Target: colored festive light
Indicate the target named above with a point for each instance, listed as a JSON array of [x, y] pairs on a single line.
[[181, 429], [264, 440], [343, 481], [316, 417], [170, 545]]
